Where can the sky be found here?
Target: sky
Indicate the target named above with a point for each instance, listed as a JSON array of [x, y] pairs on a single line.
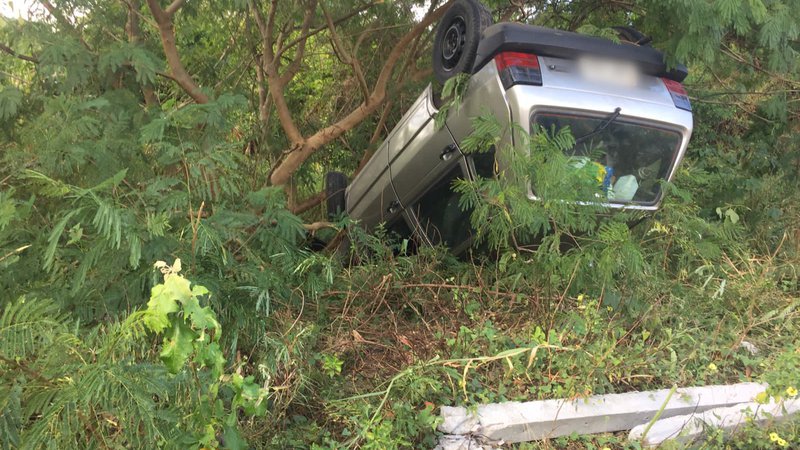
[[17, 8]]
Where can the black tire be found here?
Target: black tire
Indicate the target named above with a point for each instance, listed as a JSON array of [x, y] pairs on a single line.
[[457, 38], [632, 35], [335, 184]]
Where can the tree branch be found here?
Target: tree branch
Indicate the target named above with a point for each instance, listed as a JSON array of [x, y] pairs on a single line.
[[13, 53], [270, 28], [63, 21], [57, 14], [134, 33], [173, 7], [345, 54], [27, 370], [167, 31], [319, 29], [294, 66], [309, 203], [316, 226], [303, 149], [273, 79]]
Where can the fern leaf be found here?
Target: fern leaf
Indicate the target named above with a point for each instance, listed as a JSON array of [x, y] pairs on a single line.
[[27, 325], [55, 235]]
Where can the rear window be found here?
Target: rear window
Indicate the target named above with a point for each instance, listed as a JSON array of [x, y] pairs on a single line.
[[628, 159]]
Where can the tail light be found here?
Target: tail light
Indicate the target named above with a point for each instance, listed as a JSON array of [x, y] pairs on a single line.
[[518, 68], [679, 96]]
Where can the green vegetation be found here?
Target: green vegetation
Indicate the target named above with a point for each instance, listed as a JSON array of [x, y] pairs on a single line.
[[119, 149]]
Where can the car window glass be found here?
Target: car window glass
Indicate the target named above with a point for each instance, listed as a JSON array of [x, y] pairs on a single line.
[[484, 163], [439, 214], [629, 159]]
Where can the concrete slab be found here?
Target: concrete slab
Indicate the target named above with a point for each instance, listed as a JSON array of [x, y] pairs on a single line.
[[461, 442], [457, 420], [520, 422], [687, 428]]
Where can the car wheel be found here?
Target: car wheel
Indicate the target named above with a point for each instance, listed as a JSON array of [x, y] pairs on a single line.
[[632, 35], [335, 184], [457, 38]]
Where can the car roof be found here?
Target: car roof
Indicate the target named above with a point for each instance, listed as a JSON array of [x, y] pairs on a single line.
[[543, 41]]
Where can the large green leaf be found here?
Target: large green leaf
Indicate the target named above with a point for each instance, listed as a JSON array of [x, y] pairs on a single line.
[[201, 318], [178, 346], [161, 304]]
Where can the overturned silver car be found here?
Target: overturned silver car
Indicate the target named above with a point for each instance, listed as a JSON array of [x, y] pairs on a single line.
[[620, 97]]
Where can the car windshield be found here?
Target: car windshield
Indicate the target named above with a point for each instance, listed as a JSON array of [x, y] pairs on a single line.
[[629, 159]]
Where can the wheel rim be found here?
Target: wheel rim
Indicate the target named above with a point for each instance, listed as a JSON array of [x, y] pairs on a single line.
[[453, 43]]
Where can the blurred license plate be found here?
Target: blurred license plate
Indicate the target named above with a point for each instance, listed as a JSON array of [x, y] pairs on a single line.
[[611, 71]]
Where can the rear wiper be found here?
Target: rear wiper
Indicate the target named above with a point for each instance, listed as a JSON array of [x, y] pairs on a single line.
[[603, 125]]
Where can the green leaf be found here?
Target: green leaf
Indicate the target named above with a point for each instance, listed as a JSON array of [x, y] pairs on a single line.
[[201, 318], [758, 10], [47, 186], [178, 346], [10, 99], [178, 287], [135, 251], [111, 182], [251, 397], [161, 304], [7, 211], [211, 356], [55, 235], [727, 8], [67, 63], [233, 439]]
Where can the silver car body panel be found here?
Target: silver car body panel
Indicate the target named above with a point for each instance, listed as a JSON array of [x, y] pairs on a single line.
[[485, 93], [411, 155], [369, 196]]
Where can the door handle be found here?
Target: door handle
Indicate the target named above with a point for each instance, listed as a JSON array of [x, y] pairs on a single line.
[[448, 151], [394, 206]]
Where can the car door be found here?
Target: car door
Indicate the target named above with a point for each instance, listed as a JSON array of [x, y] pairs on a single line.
[[370, 196], [419, 153]]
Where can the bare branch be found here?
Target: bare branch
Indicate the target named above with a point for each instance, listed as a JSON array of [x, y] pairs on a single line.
[[62, 20], [299, 54], [397, 51], [317, 30], [167, 31], [173, 7], [270, 28], [263, 28], [269, 67], [57, 14], [148, 19], [316, 226], [309, 203], [345, 54]]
